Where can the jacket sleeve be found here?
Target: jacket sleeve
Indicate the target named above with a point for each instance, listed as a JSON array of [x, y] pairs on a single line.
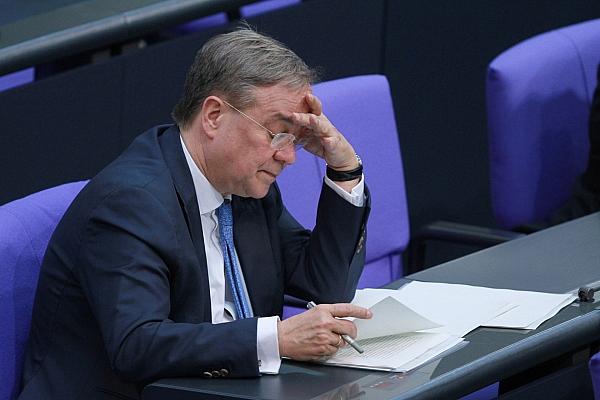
[[324, 265], [128, 257]]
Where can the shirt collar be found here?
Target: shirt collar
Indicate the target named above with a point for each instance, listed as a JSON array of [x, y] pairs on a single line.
[[209, 199]]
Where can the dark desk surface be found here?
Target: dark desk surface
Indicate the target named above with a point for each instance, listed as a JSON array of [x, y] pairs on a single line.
[[559, 259], [42, 31]]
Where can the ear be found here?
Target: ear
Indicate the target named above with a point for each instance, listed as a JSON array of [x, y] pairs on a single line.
[[212, 115]]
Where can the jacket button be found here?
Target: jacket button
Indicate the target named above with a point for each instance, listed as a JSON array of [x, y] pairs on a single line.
[[224, 372], [207, 374]]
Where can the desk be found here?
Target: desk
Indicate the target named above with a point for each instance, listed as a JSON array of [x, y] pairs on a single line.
[[559, 259], [38, 32]]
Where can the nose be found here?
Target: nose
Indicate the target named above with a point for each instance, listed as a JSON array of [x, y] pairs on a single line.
[[287, 155]]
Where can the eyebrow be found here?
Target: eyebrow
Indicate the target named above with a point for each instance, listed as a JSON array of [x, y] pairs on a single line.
[[280, 117]]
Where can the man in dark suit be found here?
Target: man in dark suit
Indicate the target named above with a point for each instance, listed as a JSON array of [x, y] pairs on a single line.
[[140, 282]]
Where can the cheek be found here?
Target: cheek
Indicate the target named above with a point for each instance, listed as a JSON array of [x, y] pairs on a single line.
[[245, 158], [244, 166]]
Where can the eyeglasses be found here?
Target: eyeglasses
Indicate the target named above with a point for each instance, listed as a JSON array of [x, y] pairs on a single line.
[[279, 141]]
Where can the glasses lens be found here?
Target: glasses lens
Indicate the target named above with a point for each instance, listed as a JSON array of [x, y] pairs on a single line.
[[282, 140]]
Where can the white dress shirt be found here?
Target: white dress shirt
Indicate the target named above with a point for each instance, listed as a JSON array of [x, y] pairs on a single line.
[[209, 200]]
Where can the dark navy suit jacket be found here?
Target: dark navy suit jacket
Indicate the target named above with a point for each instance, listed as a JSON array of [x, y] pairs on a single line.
[[123, 294]]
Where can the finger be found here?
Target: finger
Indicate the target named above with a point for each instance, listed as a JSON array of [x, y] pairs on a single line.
[[329, 351], [314, 104], [345, 327], [332, 348], [335, 340], [349, 310], [323, 351], [307, 120], [340, 342]]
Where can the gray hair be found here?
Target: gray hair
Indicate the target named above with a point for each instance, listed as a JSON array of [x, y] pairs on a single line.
[[233, 65]]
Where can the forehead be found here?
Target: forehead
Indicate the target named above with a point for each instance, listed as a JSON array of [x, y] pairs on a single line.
[[278, 101]]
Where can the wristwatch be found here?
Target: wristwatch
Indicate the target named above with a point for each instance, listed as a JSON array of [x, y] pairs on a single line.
[[342, 176]]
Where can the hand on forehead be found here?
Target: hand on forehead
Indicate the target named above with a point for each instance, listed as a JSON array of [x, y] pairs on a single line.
[[297, 120]]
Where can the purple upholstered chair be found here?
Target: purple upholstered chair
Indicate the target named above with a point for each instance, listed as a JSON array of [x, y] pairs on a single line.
[[595, 373], [261, 7], [538, 99], [18, 78], [361, 108], [25, 228], [220, 19]]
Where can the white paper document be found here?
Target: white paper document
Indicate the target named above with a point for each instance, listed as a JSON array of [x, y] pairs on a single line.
[[396, 339], [399, 353], [527, 310], [421, 320], [390, 317], [456, 314]]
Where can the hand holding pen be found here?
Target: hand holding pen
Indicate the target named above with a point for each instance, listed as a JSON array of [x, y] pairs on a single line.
[[318, 332], [345, 338]]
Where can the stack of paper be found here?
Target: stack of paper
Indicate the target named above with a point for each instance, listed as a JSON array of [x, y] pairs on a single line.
[[527, 310], [396, 338], [456, 314], [421, 320]]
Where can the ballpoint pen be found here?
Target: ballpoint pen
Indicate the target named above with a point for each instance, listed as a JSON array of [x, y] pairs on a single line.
[[346, 338]]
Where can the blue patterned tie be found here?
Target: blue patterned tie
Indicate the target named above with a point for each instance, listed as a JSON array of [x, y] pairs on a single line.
[[232, 269]]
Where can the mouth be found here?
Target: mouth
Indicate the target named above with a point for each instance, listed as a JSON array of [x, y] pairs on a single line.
[[269, 174]]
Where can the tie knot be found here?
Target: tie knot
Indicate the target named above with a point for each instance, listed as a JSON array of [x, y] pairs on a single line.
[[225, 214]]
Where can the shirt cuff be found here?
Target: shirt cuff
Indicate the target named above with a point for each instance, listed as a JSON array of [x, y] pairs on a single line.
[[267, 345], [356, 197]]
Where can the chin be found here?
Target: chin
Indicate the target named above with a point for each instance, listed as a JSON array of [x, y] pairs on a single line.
[[258, 192]]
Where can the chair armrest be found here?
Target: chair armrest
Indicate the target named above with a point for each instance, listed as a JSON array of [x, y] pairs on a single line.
[[454, 233]]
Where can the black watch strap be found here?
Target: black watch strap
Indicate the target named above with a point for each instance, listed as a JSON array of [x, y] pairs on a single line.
[[343, 176]]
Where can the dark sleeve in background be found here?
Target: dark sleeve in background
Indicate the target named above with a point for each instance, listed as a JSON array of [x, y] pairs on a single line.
[[586, 192]]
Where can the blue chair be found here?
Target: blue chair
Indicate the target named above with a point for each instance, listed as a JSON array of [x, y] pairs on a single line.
[[539, 95], [265, 6], [25, 229], [222, 18], [18, 78], [361, 108]]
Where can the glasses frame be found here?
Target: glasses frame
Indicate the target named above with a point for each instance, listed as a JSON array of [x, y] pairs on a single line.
[[279, 141]]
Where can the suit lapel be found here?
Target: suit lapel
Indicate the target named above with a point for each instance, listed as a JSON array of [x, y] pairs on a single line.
[[170, 144]]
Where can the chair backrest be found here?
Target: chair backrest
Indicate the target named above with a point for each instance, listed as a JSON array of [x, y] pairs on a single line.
[[594, 365], [361, 108], [538, 99], [221, 19], [25, 229], [265, 6]]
